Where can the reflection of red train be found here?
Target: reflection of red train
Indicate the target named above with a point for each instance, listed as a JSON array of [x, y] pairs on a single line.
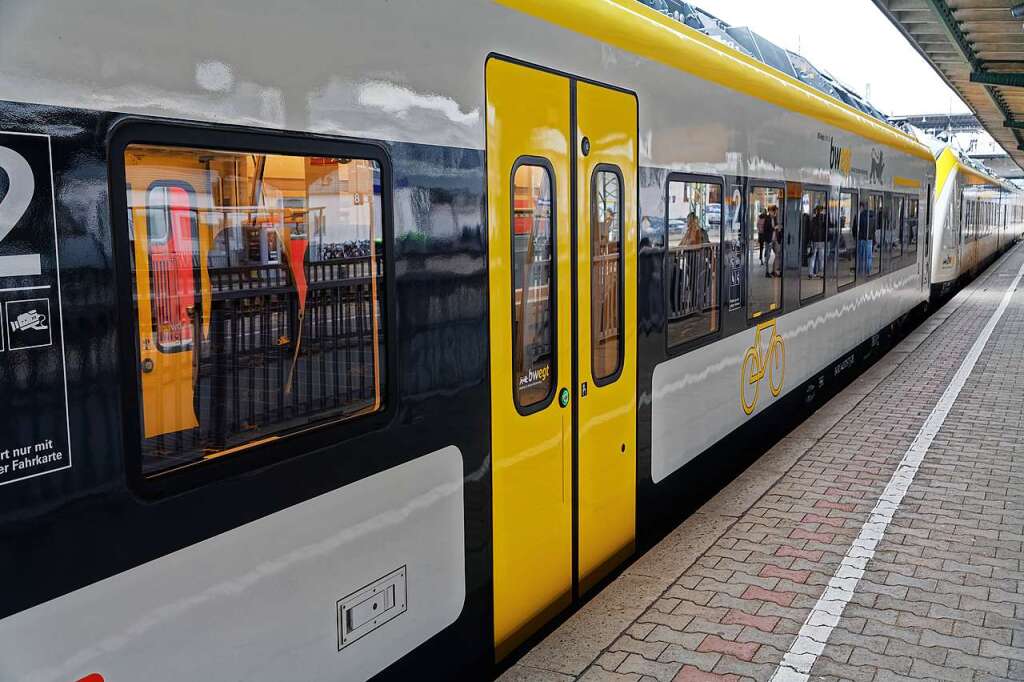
[[171, 248]]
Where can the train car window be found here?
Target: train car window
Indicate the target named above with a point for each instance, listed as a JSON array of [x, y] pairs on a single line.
[[606, 273], [911, 228], [813, 233], [694, 253], [897, 227], [764, 261], [533, 281], [846, 247], [258, 295], [869, 236]]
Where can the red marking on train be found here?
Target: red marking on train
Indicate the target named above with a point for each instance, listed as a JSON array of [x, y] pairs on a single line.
[[91, 677]]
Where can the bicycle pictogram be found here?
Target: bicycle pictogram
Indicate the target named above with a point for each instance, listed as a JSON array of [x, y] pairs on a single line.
[[757, 363]]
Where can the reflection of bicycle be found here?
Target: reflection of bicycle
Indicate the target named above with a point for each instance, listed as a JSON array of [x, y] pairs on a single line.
[[755, 365]]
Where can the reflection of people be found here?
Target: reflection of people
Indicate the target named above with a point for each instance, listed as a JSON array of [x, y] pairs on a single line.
[[762, 224], [865, 240], [817, 235], [693, 231], [776, 236]]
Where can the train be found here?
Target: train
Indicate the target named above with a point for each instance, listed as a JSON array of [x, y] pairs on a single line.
[[345, 343], [976, 218]]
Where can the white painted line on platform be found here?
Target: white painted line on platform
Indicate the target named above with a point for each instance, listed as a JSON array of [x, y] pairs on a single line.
[[796, 664]]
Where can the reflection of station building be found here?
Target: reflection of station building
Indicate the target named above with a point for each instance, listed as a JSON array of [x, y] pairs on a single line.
[[965, 133]]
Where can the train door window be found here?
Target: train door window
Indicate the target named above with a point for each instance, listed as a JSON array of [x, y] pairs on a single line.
[[869, 236], [606, 272], [764, 260], [910, 229], [813, 233], [694, 253], [170, 218], [258, 296], [533, 281], [895, 239], [846, 246]]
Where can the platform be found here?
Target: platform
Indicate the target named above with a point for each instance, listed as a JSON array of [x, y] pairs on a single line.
[[880, 540]]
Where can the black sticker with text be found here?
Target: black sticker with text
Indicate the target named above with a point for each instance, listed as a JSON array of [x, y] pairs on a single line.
[[33, 385]]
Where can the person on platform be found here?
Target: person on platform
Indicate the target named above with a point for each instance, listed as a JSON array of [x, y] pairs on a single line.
[[776, 240], [817, 235], [865, 240]]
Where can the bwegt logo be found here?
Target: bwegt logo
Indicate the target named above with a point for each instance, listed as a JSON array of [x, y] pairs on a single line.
[[839, 158]]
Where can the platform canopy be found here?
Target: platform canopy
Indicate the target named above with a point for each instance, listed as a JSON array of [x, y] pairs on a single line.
[[977, 47]]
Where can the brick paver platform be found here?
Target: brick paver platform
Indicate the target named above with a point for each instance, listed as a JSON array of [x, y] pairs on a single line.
[[941, 596]]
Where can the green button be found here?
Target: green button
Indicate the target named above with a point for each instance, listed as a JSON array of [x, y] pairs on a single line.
[[563, 397]]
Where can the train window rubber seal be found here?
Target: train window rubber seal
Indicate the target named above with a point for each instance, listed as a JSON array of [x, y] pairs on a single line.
[[332, 435]]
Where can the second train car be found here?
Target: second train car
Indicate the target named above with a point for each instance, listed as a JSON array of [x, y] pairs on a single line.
[[348, 342]]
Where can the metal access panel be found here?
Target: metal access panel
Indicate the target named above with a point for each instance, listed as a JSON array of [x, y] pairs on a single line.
[[368, 608]]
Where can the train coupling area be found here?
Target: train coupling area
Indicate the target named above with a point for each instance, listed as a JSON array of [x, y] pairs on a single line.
[[880, 540]]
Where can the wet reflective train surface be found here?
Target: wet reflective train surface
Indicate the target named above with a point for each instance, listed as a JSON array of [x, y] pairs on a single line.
[[338, 343]]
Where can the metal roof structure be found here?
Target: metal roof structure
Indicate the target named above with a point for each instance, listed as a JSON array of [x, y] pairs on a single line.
[[977, 47]]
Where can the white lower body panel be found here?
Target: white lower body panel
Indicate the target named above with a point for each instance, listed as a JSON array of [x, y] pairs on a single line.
[[260, 602], [696, 397]]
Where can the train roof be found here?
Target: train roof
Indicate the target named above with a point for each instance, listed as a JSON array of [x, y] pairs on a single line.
[[949, 159], [634, 27]]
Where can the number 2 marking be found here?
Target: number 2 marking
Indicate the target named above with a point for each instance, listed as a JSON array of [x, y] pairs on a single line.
[[19, 193], [21, 188]]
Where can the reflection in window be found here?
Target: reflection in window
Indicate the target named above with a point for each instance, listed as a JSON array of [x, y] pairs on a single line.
[[813, 233], [894, 239], [876, 223], [846, 246], [910, 231], [764, 259], [606, 274], [694, 252], [533, 311], [171, 221], [258, 284]]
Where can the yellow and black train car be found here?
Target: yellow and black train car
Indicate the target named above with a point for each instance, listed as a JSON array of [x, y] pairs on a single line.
[[349, 341]]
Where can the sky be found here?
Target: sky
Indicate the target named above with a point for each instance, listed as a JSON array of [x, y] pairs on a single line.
[[853, 41]]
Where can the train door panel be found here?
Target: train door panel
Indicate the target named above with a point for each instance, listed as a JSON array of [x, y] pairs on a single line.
[[606, 308], [529, 235], [563, 375]]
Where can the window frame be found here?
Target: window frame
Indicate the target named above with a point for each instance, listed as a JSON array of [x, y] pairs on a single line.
[[621, 354], [261, 453], [540, 161], [683, 347], [855, 206], [751, 236], [827, 191]]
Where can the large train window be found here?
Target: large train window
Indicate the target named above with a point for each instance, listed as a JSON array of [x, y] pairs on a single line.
[[813, 232], [258, 296], [846, 246], [765, 241], [606, 273], [694, 253], [533, 283]]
